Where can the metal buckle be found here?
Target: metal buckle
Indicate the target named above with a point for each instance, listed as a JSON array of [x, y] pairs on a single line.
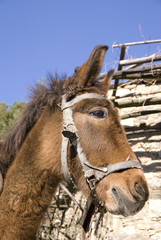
[[91, 182]]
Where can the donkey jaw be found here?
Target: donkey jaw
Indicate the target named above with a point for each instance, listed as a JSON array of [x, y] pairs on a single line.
[[122, 205]]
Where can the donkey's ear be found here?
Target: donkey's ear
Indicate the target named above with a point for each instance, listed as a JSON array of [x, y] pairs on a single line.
[[105, 83], [88, 72]]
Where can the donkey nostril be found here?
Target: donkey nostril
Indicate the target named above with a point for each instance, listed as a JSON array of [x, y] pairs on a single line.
[[114, 190], [140, 191]]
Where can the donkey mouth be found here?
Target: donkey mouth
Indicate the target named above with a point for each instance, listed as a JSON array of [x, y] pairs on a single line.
[[126, 207]]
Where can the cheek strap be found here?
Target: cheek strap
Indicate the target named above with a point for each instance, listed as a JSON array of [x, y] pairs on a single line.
[[70, 133]]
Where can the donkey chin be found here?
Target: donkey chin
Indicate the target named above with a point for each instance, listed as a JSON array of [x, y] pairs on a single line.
[[119, 203]]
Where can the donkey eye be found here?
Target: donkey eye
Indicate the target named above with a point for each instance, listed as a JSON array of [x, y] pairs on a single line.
[[99, 114]]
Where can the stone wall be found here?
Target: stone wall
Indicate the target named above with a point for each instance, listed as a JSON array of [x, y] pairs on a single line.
[[144, 135]]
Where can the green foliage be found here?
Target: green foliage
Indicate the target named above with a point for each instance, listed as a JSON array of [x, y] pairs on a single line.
[[8, 114]]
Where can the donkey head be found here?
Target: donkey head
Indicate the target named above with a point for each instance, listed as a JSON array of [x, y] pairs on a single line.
[[103, 141]]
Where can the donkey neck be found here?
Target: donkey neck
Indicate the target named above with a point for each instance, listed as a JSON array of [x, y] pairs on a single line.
[[32, 179]]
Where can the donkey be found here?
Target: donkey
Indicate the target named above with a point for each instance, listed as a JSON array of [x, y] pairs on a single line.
[[95, 156]]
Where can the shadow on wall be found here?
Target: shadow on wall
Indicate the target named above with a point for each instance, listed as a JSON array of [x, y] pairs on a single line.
[[146, 143], [153, 167]]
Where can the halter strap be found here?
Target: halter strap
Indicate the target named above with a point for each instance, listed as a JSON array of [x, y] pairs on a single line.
[[79, 98], [105, 171], [70, 133]]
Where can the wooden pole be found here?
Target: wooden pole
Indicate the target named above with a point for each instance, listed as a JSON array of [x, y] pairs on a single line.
[[122, 54], [136, 43], [151, 58], [122, 73], [134, 102], [140, 113], [155, 74], [153, 71]]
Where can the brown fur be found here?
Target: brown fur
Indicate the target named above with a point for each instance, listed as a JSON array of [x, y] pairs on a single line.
[[35, 146], [41, 96]]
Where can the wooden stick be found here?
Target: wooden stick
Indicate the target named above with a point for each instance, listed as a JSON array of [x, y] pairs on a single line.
[[142, 101], [129, 73], [151, 58], [140, 113], [122, 54], [137, 43], [156, 74], [133, 66], [151, 81], [138, 70], [123, 75]]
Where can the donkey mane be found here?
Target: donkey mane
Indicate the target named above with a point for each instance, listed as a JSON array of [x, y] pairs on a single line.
[[41, 95]]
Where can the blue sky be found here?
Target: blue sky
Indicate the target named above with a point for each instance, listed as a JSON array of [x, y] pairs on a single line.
[[41, 36]]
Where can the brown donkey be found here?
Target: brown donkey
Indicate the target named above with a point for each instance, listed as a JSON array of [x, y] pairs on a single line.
[[96, 156]]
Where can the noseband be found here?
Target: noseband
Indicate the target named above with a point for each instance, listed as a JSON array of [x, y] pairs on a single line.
[[93, 174]]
